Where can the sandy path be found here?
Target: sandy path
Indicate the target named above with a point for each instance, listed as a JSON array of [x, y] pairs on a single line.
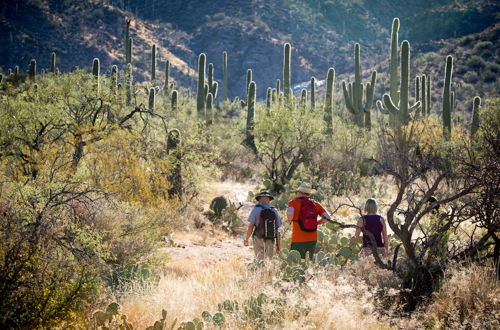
[[196, 248]]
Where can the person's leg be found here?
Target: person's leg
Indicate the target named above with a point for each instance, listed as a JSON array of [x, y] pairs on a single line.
[[269, 248], [258, 247], [298, 246], [311, 248]]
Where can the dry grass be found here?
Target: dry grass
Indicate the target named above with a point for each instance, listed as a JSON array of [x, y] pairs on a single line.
[[469, 298], [338, 298]]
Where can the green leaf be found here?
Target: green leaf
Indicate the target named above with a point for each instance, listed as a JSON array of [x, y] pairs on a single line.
[[345, 252], [219, 319]]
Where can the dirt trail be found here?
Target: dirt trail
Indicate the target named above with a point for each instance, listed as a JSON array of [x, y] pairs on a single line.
[[193, 249]]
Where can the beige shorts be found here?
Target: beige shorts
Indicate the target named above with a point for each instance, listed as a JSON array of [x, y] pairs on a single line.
[[263, 248]]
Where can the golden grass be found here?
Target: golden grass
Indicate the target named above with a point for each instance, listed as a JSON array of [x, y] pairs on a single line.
[[339, 299]]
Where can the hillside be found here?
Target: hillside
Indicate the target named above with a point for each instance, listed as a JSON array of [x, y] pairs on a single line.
[[322, 34]]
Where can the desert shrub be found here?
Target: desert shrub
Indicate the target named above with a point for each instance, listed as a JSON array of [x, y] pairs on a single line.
[[489, 77], [476, 63], [468, 298], [471, 77]]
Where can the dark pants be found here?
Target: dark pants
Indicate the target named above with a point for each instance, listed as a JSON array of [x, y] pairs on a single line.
[[304, 247]]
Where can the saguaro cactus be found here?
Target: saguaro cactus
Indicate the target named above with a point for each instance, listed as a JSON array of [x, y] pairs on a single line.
[[174, 149], [428, 94], [151, 103], [423, 94], [250, 138], [249, 79], [287, 72], [475, 116], [128, 57], [210, 76], [209, 112], [303, 100], [225, 91], [96, 70], [174, 100], [32, 70], [269, 96], [114, 78], [167, 78], [404, 108], [130, 50], [53, 63], [153, 63], [328, 110], [313, 93], [447, 97], [129, 86], [353, 93], [200, 98], [394, 74]]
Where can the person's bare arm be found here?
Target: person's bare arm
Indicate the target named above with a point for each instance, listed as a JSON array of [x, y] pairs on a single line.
[[359, 224], [289, 214], [249, 233], [384, 237]]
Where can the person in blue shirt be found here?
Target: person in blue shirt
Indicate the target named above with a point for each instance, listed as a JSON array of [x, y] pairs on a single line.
[[263, 247]]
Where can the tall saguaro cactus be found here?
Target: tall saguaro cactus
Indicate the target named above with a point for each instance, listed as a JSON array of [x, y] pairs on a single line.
[[447, 97], [225, 91], [200, 98], [96, 70], [53, 63], [174, 100], [210, 100], [303, 100], [166, 86], [475, 116], [394, 74], [128, 50], [153, 64], [250, 138], [151, 101], [287, 72], [269, 98], [353, 93], [174, 149], [328, 110], [129, 86], [114, 78], [32, 70], [313, 93], [402, 112]]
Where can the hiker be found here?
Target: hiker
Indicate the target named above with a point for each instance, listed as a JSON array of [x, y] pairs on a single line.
[[303, 213], [375, 224], [263, 224]]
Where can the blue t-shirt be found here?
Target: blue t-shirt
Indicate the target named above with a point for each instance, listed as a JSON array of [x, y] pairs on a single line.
[[254, 216]]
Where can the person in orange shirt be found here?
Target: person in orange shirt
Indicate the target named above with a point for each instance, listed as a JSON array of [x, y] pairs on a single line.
[[303, 212]]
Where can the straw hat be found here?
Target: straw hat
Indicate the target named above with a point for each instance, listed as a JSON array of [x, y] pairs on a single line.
[[306, 188], [263, 194]]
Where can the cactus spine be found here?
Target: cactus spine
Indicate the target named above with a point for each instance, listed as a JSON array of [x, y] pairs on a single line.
[[475, 116], [174, 100], [250, 138], [167, 77], [225, 92], [286, 72], [328, 110], [313, 93], [53, 63], [200, 99], [153, 64], [447, 98], [32, 71], [404, 108], [353, 93]]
